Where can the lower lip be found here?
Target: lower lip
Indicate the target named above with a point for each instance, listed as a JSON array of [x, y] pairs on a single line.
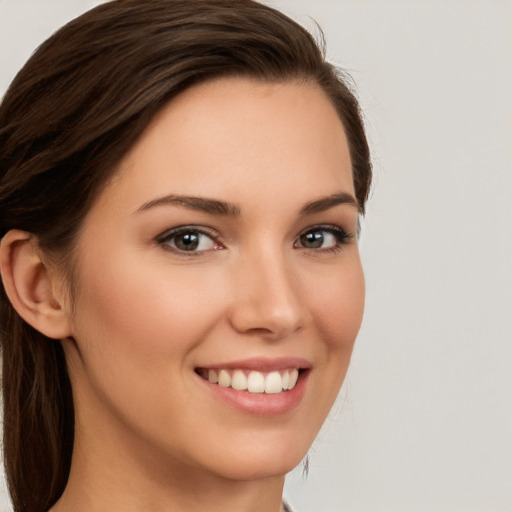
[[261, 404]]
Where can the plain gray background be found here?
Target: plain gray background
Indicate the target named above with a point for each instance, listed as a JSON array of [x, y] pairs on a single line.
[[424, 420]]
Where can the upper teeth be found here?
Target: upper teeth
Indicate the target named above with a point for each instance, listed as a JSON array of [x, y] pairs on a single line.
[[253, 381]]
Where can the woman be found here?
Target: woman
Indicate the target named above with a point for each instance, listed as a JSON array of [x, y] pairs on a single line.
[[180, 189]]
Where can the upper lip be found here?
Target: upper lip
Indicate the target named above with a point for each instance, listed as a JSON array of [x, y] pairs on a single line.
[[264, 364]]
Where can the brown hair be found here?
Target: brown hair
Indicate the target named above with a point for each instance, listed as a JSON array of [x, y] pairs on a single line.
[[68, 118]]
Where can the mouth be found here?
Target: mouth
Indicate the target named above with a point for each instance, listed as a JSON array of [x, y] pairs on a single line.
[[253, 381], [258, 386]]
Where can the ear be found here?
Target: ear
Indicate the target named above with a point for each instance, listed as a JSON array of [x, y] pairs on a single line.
[[29, 287]]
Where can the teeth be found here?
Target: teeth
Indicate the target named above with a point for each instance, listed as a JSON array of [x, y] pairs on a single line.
[[294, 375], [239, 380], [224, 379], [273, 383], [254, 382], [286, 379]]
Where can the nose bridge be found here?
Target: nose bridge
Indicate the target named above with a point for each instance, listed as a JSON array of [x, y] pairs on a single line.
[[267, 298]]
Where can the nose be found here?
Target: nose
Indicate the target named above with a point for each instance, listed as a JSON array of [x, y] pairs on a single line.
[[267, 300]]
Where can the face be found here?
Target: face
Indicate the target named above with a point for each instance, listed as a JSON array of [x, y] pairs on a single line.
[[222, 250]]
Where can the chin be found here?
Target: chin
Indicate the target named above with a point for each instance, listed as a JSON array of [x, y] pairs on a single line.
[[262, 458], [259, 469]]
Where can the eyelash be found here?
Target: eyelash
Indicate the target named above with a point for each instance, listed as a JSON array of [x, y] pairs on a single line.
[[342, 238], [165, 238]]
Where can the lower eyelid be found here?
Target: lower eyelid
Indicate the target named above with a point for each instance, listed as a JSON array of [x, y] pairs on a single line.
[[337, 232], [342, 238], [165, 240]]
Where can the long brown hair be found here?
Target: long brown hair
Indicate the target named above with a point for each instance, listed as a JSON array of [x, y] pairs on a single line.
[[68, 118]]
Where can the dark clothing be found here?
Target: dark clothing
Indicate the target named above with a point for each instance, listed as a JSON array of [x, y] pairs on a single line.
[[286, 507]]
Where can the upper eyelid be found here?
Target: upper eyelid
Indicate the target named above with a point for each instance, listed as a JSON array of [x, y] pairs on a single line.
[[204, 230], [327, 227], [323, 226], [346, 236], [166, 236], [342, 236], [217, 237]]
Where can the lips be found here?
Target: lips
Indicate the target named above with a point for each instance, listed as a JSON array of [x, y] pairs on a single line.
[[258, 386]]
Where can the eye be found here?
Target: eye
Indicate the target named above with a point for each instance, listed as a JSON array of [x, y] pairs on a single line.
[[326, 238], [188, 239]]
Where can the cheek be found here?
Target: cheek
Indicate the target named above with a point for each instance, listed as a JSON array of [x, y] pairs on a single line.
[[339, 306], [137, 327], [148, 307], [338, 310]]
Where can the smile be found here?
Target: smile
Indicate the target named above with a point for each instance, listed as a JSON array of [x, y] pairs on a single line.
[[258, 386], [252, 381]]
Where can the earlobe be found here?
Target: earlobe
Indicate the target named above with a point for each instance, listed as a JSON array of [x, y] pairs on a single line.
[[29, 287]]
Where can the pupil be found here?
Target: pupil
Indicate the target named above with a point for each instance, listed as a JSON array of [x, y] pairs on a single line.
[[313, 240], [187, 241]]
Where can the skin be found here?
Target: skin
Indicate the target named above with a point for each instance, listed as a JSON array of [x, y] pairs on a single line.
[[149, 435]]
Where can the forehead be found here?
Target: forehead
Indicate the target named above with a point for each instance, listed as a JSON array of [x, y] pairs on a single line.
[[229, 136]]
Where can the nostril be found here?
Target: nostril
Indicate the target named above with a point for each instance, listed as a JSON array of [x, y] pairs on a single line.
[[269, 326], [268, 306]]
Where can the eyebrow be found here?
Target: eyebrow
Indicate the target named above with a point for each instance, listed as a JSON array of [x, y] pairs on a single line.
[[226, 209], [203, 204], [325, 203]]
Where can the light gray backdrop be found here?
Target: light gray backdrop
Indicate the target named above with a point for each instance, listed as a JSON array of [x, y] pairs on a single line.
[[424, 421]]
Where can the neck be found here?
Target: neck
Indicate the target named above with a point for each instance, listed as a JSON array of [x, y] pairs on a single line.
[[239, 497], [107, 476]]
